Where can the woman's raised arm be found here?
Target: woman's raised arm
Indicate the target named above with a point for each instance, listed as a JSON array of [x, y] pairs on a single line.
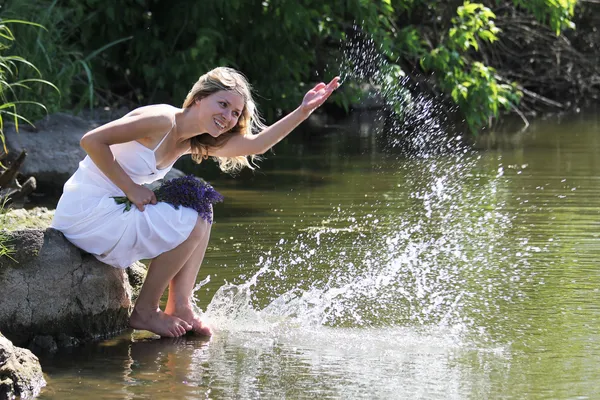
[[263, 141]]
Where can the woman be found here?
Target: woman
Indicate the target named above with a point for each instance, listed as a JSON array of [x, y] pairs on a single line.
[[217, 120]]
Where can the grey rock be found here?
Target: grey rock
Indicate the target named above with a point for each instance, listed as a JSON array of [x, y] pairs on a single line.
[[52, 288], [173, 173], [136, 274], [64, 340], [20, 372], [53, 151], [44, 343]]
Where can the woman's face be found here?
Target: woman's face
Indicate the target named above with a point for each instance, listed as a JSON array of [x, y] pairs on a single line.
[[220, 111]]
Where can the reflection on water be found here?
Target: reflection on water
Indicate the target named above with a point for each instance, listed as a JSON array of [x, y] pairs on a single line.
[[340, 270], [296, 363]]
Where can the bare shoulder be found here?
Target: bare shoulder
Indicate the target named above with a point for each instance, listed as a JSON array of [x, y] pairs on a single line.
[[158, 115], [154, 120]]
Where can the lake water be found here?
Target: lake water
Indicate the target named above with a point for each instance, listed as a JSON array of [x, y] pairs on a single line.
[[344, 269]]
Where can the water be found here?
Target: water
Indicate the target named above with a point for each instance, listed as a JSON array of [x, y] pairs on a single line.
[[411, 116], [342, 269]]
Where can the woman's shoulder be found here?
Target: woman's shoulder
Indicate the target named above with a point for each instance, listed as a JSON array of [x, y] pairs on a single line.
[[154, 111], [150, 121]]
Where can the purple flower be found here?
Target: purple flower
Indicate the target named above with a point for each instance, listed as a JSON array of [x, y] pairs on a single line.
[[187, 191]]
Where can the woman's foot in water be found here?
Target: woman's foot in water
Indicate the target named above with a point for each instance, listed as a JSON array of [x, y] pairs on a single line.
[[187, 314], [158, 322]]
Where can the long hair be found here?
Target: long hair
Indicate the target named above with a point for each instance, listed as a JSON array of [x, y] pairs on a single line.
[[249, 122]]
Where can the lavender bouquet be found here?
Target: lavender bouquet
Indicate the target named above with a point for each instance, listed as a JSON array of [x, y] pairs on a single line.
[[187, 191]]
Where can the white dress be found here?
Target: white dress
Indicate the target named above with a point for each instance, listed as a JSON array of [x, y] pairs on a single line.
[[90, 219]]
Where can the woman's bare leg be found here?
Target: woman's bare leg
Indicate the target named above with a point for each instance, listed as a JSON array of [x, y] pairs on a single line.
[[181, 286], [147, 314]]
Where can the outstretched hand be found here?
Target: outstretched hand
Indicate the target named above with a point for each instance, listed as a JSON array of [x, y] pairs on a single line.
[[317, 95]]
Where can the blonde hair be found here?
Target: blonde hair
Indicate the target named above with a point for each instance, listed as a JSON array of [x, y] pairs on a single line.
[[218, 79]]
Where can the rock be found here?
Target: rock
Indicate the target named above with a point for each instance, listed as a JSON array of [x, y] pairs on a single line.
[[41, 217], [53, 151], [136, 274], [20, 218], [20, 372], [64, 340], [52, 288], [174, 173], [44, 343], [102, 115]]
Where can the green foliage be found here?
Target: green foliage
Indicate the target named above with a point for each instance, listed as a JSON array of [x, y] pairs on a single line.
[[10, 105], [472, 85], [11, 81], [66, 64], [105, 52], [557, 14], [281, 45], [472, 21], [6, 250]]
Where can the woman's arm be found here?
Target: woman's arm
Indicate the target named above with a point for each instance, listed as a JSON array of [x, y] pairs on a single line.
[[263, 141], [145, 124]]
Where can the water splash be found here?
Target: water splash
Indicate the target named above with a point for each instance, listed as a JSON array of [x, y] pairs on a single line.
[[437, 264], [415, 119]]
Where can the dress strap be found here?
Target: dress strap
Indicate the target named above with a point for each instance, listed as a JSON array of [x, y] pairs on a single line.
[[164, 137]]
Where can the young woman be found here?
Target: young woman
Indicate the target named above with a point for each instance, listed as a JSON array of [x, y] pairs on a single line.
[[217, 120]]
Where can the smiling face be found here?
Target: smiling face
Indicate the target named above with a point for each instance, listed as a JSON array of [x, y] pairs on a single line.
[[218, 107], [220, 111]]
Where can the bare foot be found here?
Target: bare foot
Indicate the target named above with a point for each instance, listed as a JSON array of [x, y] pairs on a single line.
[[158, 322], [187, 314]]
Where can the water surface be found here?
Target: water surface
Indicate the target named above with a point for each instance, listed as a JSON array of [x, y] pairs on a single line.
[[344, 269]]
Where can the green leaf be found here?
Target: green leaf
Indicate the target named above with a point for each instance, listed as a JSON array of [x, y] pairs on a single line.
[[106, 46], [470, 7]]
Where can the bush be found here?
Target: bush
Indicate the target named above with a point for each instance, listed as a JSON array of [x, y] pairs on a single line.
[[55, 52], [108, 53]]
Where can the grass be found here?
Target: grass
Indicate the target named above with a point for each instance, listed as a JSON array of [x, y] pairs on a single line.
[[10, 81], [55, 51], [6, 250]]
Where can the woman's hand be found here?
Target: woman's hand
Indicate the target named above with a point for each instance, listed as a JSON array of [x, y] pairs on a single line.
[[240, 145], [140, 196], [317, 95]]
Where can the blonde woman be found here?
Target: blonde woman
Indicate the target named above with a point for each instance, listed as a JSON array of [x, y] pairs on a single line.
[[217, 120]]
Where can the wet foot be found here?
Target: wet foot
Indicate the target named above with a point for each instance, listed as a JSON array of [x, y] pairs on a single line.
[[187, 314], [158, 322]]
